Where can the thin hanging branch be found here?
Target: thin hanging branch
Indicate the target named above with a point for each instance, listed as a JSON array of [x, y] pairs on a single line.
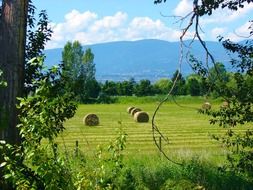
[[194, 18], [155, 129]]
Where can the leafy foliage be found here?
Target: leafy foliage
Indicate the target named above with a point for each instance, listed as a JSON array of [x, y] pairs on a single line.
[[144, 88], [239, 111], [237, 92], [36, 41], [193, 86], [163, 85], [179, 88], [79, 72], [43, 113], [41, 118], [72, 61], [90, 87], [109, 167], [241, 156], [238, 95], [208, 6]]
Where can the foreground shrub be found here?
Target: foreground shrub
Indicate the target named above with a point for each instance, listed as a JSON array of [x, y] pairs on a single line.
[[32, 165]]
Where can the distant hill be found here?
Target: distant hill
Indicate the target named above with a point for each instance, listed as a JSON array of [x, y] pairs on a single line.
[[143, 59]]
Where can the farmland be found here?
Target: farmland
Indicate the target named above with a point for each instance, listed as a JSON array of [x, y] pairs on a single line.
[[187, 130], [141, 165]]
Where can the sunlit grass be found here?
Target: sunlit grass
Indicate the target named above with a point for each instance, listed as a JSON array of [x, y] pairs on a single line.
[[188, 131]]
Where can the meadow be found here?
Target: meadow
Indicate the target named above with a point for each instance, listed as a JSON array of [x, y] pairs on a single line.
[[189, 133], [144, 167]]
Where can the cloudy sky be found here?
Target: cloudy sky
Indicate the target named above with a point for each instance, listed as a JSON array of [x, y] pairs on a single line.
[[98, 21]]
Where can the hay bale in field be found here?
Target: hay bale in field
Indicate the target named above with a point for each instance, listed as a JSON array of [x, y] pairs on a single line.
[[133, 111], [91, 120], [206, 106], [129, 109], [141, 117], [225, 104]]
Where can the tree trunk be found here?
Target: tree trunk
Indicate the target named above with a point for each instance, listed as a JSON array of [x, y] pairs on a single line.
[[12, 59]]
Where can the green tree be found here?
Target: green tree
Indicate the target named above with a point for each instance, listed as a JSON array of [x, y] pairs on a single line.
[[28, 45], [179, 88], [90, 88], [72, 63], [163, 85], [79, 72], [13, 23], [37, 36], [109, 88], [217, 78], [193, 85], [88, 60], [125, 88], [30, 165], [222, 73], [144, 88]]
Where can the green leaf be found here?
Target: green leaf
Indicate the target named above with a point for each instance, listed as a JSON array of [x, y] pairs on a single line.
[[3, 164], [7, 176]]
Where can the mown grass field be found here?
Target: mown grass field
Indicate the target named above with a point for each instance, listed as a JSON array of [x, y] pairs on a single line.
[[187, 130]]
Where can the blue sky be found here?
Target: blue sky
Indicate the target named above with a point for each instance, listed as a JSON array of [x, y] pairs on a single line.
[[98, 21]]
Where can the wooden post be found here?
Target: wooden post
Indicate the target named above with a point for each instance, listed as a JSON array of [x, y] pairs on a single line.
[[160, 144], [76, 149]]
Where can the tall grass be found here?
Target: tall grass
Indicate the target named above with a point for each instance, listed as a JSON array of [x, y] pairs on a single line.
[[155, 172]]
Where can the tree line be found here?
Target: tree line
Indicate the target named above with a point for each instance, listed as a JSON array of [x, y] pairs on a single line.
[[79, 78]]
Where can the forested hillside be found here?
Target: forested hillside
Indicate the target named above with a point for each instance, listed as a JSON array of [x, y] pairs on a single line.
[[144, 59]]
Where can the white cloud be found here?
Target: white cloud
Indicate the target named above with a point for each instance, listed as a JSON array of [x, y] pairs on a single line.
[[110, 22], [217, 31], [221, 16], [78, 21], [233, 15], [89, 28], [183, 8], [145, 27], [240, 33], [141, 27], [74, 22], [146, 23]]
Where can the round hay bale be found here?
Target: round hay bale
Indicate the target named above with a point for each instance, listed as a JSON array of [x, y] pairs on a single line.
[[129, 109], [133, 111], [225, 104], [91, 120], [141, 117], [206, 106]]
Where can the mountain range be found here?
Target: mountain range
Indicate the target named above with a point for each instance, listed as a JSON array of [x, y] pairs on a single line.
[[143, 59]]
